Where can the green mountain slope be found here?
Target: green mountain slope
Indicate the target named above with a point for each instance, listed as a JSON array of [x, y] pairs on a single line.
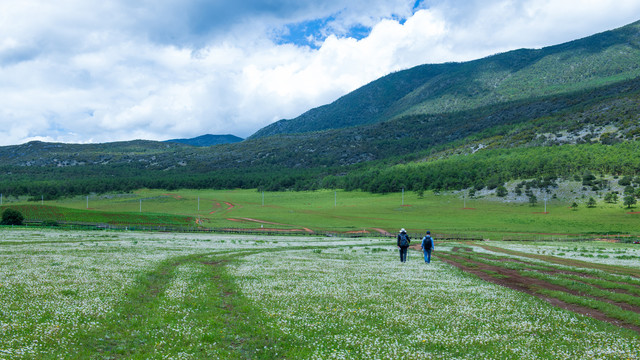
[[606, 116], [366, 105], [448, 125], [591, 62]]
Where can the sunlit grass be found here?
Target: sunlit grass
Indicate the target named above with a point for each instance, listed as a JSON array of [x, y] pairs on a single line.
[[341, 211]]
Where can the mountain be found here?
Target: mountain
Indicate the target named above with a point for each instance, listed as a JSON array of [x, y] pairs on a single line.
[[208, 140], [561, 111], [601, 59]]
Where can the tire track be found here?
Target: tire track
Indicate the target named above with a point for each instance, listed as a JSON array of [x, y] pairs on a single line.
[[513, 279]]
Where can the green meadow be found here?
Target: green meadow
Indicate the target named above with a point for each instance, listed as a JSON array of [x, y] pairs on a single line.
[[342, 212], [141, 295]]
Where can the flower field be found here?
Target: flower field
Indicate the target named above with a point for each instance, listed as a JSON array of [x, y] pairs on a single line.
[[112, 295], [602, 253]]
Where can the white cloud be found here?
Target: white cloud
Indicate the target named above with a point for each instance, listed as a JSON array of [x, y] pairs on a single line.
[[80, 71]]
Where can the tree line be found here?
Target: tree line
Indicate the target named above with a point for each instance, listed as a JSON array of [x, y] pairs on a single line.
[[492, 168], [489, 168]]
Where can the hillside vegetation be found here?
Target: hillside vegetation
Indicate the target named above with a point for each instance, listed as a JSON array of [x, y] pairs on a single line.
[[555, 112], [208, 140], [598, 60]]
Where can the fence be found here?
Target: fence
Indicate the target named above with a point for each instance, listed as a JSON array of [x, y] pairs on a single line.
[[330, 233], [240, 231], [614, 238]]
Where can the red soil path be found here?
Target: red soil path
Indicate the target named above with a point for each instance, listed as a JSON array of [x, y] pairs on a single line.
[[230, 207], [514, 280], [275, 230], [270, 223], [382, 231], [175, 196]]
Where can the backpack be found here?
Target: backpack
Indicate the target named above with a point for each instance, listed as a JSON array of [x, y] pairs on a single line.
[[404, 240], [427, 242]]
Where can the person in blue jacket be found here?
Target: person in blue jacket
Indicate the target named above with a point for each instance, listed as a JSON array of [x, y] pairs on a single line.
[[427, 247]]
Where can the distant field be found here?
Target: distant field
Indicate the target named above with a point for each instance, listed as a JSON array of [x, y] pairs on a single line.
[[64, 214], [342, 212], [133, 295]]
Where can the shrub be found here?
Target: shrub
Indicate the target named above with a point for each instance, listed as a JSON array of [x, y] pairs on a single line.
[[588, 178], [611, 198], [12, 217], [625, 181], [629, 201]]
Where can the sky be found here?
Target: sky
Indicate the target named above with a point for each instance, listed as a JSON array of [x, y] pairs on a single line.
[[93, 71]]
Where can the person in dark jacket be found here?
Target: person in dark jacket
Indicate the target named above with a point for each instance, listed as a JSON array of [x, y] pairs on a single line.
[[427, 247], [403, 244]]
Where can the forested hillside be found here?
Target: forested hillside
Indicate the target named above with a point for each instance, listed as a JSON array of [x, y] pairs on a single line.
[[556, 112]]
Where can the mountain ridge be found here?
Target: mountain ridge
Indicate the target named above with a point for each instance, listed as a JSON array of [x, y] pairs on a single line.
[[439, 88], [462, 111], [208, 140]]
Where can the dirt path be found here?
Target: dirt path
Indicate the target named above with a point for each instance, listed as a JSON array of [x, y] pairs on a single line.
[[255, 220], [382, 231], [230, 207], [271, 223], [621, 270], [513, 279]]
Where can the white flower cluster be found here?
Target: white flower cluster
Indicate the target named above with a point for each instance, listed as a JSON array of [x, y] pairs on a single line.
[[597, 252], [337, 298], [55, 284], [345, 304]]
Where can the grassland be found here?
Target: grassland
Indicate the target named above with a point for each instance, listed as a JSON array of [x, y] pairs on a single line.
[[341, 212], [69, 294], [600, 280]]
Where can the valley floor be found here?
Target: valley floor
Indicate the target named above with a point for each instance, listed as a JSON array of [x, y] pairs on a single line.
[[196, 296]]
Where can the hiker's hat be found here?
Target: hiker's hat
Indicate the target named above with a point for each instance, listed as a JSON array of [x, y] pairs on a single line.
[[428, 232], [403, 230]]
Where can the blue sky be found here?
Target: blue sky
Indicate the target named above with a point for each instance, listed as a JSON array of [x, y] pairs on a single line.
[[87, 71]]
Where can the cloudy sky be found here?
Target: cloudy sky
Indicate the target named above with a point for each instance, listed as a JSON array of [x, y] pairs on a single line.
[[86, 71]]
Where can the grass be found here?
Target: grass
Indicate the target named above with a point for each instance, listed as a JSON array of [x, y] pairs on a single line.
[[585, 288], [329, 211], [189, 304], [599, 265], [604, 307], [71, 294], [65, 214], [599, 290]]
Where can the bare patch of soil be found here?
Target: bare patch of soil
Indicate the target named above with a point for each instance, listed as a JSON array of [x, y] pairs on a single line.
[[270, 223], [271, 230], [620, 270], [514, 280], [382, 231]]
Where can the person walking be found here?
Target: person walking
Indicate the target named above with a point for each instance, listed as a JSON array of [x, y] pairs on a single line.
[[427, 246], [403, 244]]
